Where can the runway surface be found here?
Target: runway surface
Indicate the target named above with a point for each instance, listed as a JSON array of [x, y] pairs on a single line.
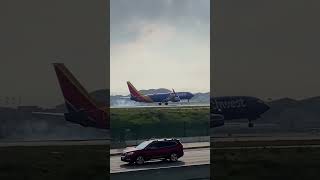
[[264, 137], [267, 147], [266, 141], [191, 157], [163, 106]]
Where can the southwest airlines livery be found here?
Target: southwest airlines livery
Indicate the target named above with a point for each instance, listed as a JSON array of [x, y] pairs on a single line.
[[82, 109], [158, 97]]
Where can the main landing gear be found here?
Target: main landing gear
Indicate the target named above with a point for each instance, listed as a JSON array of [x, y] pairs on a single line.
[[250, 123], [164, 103]]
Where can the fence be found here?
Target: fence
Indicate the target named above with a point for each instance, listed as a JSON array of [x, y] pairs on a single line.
[[160, 130]]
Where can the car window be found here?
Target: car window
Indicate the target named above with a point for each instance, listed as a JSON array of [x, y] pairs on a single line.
[[162, 144], [143, 144], [166, 144], [171, 143], [154, 145]]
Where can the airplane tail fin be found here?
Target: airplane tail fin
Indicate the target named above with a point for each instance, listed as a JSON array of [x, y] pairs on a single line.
[[137, 95], [133, 91], [77, 99]]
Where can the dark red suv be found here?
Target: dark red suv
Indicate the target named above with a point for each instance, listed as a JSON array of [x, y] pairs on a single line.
[[170, 149]]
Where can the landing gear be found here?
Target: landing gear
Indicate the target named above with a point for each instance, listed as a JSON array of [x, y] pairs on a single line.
[[250, 124], [159, 103], [166, 103]]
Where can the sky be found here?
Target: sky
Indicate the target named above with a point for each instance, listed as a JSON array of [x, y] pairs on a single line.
[[36, 33], [160, 44], [267, 49]]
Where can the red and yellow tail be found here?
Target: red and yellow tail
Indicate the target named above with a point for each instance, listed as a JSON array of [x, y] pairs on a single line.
[[77, 99], [133, 91], [137, 95]]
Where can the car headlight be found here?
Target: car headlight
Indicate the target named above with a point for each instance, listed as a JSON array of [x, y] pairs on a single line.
[[129, 153]]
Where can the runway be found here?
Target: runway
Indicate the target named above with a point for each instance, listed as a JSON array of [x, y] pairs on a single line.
[[264, 137], [164, 106], [267, 147], [263, 141], [191, 157]]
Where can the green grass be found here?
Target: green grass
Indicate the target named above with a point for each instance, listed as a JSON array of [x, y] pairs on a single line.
[[266, 164], [140, 123], [54, 162]]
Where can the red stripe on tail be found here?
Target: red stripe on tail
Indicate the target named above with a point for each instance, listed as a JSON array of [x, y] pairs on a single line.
[[76, 96]]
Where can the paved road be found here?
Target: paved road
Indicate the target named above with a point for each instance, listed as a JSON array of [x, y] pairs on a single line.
[[191, 157], [55, 143]]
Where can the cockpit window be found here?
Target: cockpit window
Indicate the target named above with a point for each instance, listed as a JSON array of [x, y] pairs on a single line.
[[260, 101]]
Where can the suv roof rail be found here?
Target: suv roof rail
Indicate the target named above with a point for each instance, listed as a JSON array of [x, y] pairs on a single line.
[[171, 139], [163, 139]]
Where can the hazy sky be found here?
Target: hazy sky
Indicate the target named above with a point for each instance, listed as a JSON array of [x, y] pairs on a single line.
[[266, 48], [160, 44], [34, 32]]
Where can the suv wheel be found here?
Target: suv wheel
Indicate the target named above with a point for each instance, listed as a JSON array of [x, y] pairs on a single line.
[[139, 160], [173, 157]]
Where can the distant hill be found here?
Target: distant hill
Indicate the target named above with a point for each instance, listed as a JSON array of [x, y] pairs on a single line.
[[201, 97], [153, 91], [293, 114]]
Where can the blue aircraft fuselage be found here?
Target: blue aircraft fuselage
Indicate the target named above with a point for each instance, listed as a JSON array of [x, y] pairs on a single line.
[[161, 97]]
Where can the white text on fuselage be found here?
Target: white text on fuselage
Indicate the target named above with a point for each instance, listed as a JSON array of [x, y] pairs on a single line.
[[239, 103]]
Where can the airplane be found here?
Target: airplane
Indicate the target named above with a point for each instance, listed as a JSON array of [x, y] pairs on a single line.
[[160, 98], [235, 107], [82, 109]]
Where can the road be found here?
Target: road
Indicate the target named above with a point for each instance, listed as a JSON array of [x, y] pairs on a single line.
[[55, 142], [191, 157]]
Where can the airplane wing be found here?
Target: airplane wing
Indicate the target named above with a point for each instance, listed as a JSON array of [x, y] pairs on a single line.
[[173, 97], [217, 117], [234, 124]]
